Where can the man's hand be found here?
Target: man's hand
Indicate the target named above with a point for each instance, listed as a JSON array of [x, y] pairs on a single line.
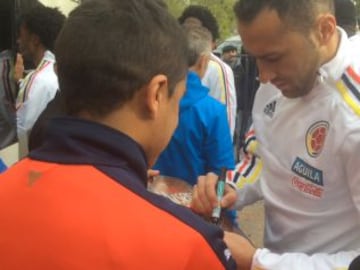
[[241, 250], [151, 174], [18, 68], [204, 198]]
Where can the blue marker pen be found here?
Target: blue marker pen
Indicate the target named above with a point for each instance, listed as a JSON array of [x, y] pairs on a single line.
[[220, 187]]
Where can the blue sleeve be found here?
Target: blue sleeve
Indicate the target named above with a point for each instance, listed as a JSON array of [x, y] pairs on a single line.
[[2, 166], [218, 148]]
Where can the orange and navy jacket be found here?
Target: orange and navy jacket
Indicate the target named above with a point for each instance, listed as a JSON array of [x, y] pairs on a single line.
[[80, 202]]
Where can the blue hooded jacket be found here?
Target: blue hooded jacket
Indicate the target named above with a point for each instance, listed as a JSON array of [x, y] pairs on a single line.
[[2, 166], [201, 142]]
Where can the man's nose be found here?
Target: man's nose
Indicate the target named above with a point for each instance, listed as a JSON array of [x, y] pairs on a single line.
[[266, 73]]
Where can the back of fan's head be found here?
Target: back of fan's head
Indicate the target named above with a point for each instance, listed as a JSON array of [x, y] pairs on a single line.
[[109, 49]]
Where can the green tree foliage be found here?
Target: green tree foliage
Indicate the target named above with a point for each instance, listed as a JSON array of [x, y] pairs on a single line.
[[358, 8], [222, 10]]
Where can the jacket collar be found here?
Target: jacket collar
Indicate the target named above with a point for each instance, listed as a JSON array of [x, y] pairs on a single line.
[[333, 70], [76, 141]]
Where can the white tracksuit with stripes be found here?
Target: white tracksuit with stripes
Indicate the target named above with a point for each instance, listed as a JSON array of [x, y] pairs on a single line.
[[219, 78], [310, 148], [36, 91], [7, 100]]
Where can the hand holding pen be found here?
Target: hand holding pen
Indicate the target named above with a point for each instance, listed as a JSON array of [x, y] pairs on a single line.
[[205, 197], [220, 188]]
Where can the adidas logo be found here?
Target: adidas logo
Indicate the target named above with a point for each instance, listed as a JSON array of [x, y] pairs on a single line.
[[270, 109]]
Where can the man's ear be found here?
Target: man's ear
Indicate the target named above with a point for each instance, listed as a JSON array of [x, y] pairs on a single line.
[[326, 28], [156, 93]]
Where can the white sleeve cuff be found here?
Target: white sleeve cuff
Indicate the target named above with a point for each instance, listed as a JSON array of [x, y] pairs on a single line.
[[231, 184], [255, 263]]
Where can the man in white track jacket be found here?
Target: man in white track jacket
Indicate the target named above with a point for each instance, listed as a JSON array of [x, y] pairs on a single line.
[[307, 121], [39, 28]]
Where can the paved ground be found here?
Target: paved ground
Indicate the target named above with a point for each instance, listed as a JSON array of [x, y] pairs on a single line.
[[251, 220]]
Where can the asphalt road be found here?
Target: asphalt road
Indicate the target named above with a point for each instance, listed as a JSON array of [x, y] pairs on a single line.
[[251, 220]]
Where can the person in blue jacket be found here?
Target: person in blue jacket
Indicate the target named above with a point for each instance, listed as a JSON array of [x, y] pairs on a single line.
[[3, 166], [201, 142]]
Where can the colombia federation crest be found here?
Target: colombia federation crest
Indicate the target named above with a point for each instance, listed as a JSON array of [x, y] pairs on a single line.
[[315, 138]]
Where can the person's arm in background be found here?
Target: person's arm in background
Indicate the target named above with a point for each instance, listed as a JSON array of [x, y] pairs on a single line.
[[18, 69], [231, 102], [219, 78]]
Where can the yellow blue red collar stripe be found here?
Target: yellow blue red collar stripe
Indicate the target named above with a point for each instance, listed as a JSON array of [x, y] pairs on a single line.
[[349, 88]]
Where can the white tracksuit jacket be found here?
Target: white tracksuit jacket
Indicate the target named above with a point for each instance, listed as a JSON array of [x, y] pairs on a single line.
[[310, 147], [36, 91], [219, 78]]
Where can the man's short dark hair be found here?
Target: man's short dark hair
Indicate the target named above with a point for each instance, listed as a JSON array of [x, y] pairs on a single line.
[[45, 22], [109, 49], [204, 15], [6, 24], [229, 48], [346, 17], [298, 14]]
